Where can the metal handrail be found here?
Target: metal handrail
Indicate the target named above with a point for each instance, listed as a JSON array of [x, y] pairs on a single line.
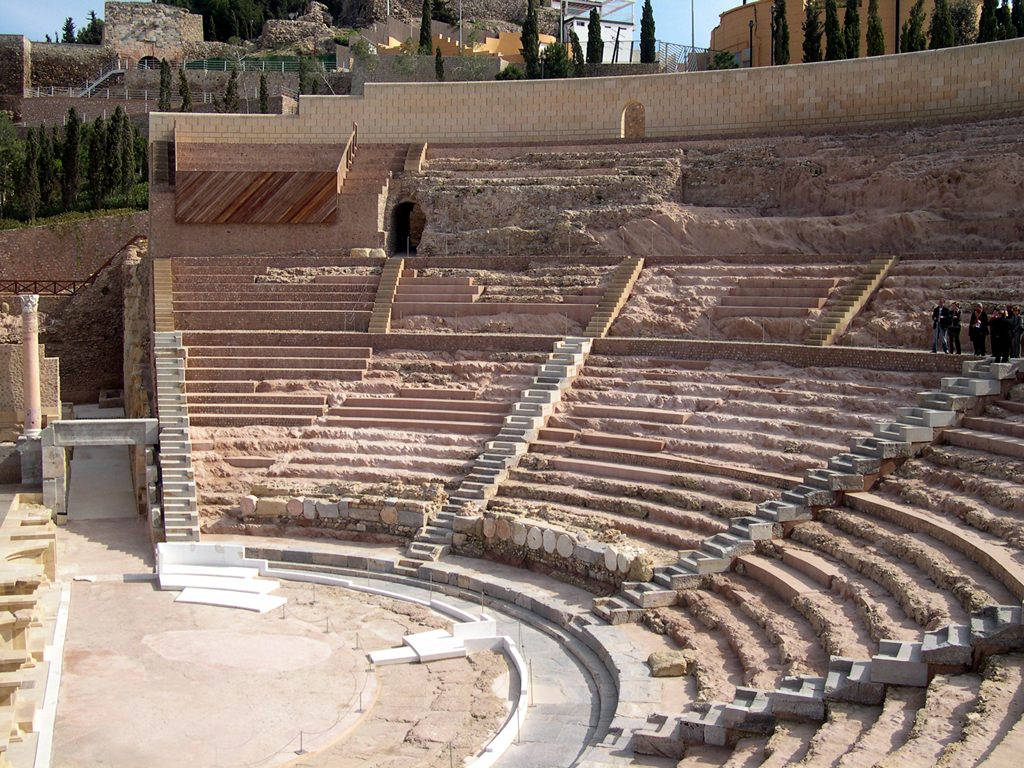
[[61, 287]]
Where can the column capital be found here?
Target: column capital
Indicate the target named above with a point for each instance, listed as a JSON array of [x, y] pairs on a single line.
[[29, 303]]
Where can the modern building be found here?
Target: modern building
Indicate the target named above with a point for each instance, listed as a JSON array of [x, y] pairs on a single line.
[[746, 29], [618, 25]]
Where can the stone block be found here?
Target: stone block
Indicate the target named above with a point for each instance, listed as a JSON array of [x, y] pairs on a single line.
[[366, 515], [408, 518], [550, 539], [389, 516], [850, 680], [309, 508], [271, 507], [799, 698], [327, 510], [899, 663], [946, 647]]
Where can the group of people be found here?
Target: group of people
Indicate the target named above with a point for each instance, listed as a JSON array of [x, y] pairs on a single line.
[[1003, 325]]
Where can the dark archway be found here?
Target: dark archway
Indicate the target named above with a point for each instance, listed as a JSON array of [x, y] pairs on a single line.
[[407, 224], [148, 62]]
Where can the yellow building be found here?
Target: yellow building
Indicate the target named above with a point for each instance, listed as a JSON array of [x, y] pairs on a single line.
[[734, 30]]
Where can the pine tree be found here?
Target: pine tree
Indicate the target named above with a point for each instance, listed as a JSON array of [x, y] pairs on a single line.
[[91, 33], [780, 33], [112, 149], [68, 31], [426, 36], [95, 173], [835, 44], [851, 29], [648, 48], [305, 76], [965, 22], [46, 171], [70, 167], [184, 92], [30, 178], [579, 65], [230, 101], [876, 35], [812, 31], [988, 26], [912, 34], [1017, 17], [164, 100], [940, 28], [531, 43], [439, 66], [264, 95], [595, 43], [556, 62]]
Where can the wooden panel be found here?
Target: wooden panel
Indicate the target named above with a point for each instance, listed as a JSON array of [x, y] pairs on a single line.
[[256, 197]]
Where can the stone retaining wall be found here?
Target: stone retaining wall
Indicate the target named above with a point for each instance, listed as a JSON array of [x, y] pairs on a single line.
[[70, 250], [371, 518], [964, 82], [15, 64], [68, 65], [524, 542]]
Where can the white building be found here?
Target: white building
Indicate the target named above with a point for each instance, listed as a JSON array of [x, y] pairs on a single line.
[[617, 23]]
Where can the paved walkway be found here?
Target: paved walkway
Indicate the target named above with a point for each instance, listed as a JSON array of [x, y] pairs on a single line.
[[100, 485]]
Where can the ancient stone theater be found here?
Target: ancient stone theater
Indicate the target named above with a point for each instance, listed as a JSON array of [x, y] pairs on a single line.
[[629, 420]]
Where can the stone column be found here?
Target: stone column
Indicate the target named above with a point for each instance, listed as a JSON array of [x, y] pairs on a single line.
[[29, 445], [30, 364]]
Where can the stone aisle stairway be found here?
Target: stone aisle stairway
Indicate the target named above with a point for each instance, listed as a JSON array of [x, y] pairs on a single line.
[[529, 414], [867, 461], [177, 481], [390, 275], [616, 293], [841, 310]]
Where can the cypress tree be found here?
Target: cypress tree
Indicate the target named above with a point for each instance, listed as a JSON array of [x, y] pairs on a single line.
[[912, 35], [264, 95], [304, 75], [70, 167], [439, 66], [964, 15], [164, 101], [595, 43], [531, 43], [426, 36], [112, 174], [648, 50], [30, 177], [579, 65], [45, 164], [1017, 17], [68, 30], [184, 92], [851, 29], [95, 175], [1004, 22], [940, 29], [835, 44], [127, 156], [876, 35], [780, 33], [988, 29], [230, 101], [812, 31]]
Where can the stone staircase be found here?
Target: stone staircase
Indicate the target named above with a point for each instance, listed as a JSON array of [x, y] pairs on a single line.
[[616, 293], [364, 192], [416, 157], [390, 275], [528, 415], [177, 482], [840, 310], [163, 292], [857, 470]]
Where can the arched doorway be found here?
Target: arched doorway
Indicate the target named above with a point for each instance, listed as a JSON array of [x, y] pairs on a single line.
[[634, 121], [407, 224], [148, 62]]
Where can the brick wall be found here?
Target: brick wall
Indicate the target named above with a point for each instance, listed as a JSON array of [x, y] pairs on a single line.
[[67, 251], [976, 80]]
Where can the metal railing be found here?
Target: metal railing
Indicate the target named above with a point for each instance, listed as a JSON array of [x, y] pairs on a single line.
[[257, 65], [149, 94], [61, 287]]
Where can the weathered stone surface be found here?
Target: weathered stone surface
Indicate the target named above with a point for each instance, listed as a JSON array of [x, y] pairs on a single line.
[[503, 529], [564, 546], [389, 516], [247, 505], [489, 527], [534, 538], [327, 510], [671, 663], [271, 507], [550, 538], [518, 534], [309, 508]]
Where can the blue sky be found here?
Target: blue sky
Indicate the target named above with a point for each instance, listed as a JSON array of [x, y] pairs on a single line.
[[36, 18]]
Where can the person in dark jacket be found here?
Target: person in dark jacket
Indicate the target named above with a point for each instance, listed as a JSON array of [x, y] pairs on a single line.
[[954, 329], [940, 326], [977, 329], [1016, 330], [999, 328]]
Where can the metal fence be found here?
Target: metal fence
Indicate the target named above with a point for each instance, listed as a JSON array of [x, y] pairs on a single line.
[[258, 65]]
